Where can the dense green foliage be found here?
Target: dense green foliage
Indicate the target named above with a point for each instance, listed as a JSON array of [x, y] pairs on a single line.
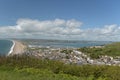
[[32, 74], [110, 50], [66, 51], [30, 68]]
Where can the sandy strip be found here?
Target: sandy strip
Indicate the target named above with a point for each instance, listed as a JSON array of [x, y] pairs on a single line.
[[19, 48], [11, 50]]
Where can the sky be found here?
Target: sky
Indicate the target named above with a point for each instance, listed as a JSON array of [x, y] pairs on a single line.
[[60, 19]]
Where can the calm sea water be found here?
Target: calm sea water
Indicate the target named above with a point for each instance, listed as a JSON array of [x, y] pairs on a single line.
[[65, 44], [5, 46]]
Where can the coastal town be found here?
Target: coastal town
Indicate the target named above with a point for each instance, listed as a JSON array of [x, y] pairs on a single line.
[[66, 55], [70, 56]]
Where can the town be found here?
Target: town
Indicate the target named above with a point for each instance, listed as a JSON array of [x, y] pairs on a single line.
[[70, 56]]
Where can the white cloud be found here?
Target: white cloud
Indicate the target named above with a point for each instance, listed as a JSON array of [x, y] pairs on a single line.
[[60, 29]]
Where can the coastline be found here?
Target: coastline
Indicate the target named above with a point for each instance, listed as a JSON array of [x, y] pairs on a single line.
[[17, 48], [11, 49]]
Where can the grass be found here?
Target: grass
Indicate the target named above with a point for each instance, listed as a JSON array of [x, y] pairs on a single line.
[[34, 74], [110, 50], [30, 68]]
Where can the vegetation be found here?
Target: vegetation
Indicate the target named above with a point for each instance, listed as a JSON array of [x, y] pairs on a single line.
[[66, 51], [110, 50], [30, 68], [33, 74]]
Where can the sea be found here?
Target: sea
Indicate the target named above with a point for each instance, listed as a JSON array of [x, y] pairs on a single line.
[[5, 46], [65, 43]]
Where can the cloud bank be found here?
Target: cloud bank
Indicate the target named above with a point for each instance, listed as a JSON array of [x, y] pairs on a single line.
[[59, 29]]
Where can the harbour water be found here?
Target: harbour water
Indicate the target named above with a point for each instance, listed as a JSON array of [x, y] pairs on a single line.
[[5, 46], [65, 43]]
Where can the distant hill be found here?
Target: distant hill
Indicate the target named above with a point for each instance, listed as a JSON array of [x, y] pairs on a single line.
[[112, 49]]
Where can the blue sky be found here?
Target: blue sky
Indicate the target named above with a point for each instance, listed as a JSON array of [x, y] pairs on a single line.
[[91, 13]]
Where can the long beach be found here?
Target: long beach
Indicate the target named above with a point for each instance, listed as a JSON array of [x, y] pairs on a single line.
[[17, 48]]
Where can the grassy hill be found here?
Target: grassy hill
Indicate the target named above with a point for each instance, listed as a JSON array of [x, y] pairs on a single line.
[[30, 68], [110, 50]]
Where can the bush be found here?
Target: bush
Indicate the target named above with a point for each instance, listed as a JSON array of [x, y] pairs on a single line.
[[38, 69]]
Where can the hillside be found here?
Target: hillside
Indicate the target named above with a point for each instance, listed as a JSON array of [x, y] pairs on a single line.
[[109, 50], [30, 68]]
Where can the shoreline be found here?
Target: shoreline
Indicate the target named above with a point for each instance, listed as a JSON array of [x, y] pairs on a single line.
[[11, 49], [17, 48]]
